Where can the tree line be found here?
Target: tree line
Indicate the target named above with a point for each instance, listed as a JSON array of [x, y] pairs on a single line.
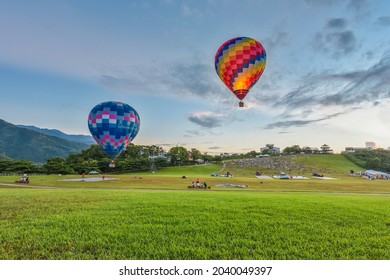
[[145, 158], [378, 159], [134, 158]]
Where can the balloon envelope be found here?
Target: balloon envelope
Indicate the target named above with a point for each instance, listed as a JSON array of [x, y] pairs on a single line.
[[239, 63], [113, 125]]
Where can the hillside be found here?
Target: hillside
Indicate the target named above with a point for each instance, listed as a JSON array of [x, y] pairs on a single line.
[[26, 144], [371, 159], [3, 157], [56, 133]]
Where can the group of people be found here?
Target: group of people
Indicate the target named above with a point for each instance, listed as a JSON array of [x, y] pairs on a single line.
[[24, 180], [197, 184]]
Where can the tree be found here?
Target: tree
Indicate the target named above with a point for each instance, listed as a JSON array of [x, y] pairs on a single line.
[[103, 165], [86, 166], [132, 151], [374, 163], [295, 149], [57, 166], [251, 154], [19, 166], [195, 154], [178, 155], [93, 152]]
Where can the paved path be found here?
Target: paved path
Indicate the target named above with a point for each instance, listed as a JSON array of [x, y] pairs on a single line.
[[27, 186]]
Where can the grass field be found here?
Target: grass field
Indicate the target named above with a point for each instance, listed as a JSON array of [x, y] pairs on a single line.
[[154, 216]]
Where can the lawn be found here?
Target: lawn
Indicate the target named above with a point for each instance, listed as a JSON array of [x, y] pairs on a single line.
[[153, 224], [155, 216]]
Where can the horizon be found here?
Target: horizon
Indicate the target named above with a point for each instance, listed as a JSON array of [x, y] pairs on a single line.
[[367, 145]]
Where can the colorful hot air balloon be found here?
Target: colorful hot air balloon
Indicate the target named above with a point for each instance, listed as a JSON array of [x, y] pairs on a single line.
[[113, 125], [239, 63]]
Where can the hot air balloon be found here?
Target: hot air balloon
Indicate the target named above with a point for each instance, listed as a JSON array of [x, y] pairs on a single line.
[[239, 63], [113, 125]]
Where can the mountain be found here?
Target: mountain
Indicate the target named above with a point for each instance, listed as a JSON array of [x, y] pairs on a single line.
[[56, 133], [22, 143], [4, 157]]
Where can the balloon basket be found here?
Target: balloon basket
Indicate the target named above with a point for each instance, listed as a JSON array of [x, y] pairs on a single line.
[[112, 164], [241, 104]]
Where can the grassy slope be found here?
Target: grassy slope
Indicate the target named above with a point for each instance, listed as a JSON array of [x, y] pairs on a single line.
[[326, 164], [337, 164]]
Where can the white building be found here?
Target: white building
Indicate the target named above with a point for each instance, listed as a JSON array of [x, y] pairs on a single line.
[[270, 149], [369, 146]]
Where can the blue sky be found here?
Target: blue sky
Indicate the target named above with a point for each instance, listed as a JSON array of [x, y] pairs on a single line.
[[326, 79]]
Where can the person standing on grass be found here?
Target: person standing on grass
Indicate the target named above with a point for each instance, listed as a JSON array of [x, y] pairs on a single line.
[[197, 183]]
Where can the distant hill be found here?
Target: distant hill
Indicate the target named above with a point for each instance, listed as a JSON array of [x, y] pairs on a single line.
[[54, 132], [3, 157], [27, 144]]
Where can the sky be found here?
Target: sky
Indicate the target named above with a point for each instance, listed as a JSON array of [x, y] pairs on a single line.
[[327, 78]]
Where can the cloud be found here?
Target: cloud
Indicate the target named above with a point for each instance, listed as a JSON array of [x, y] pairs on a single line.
[[357, 5], [121, 82], [207, 119], [285, 124], [214, 148], [335, 39], [192, 78], [164, 145], [320, 2], [383, 21], [345, 41], [336, 23], [196, 79], [298, 123], [191, 12], [278, 39], [336, 43], [192, 133], [342, 89]]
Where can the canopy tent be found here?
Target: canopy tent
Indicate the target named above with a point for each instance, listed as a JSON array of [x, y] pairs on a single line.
[[377, 174]]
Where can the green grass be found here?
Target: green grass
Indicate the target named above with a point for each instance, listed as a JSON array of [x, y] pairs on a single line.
[[329, 163], [154, 216], [138, 224]]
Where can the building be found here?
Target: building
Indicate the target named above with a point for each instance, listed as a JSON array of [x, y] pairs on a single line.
[[354, 149], [310, 150], [270, 149], [325, 149], [369, 146]]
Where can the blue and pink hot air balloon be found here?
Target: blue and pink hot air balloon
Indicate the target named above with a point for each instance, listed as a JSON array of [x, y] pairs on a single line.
[[113, 125]]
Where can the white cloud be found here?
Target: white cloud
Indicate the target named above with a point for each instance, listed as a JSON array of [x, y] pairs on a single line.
[[207, 119]]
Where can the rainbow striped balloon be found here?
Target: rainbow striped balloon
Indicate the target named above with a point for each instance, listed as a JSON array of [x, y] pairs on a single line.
[[239, 63], [113, 125]]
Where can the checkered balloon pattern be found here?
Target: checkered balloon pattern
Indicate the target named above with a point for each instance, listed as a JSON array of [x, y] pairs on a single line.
[[239, 63], [113, 125]]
